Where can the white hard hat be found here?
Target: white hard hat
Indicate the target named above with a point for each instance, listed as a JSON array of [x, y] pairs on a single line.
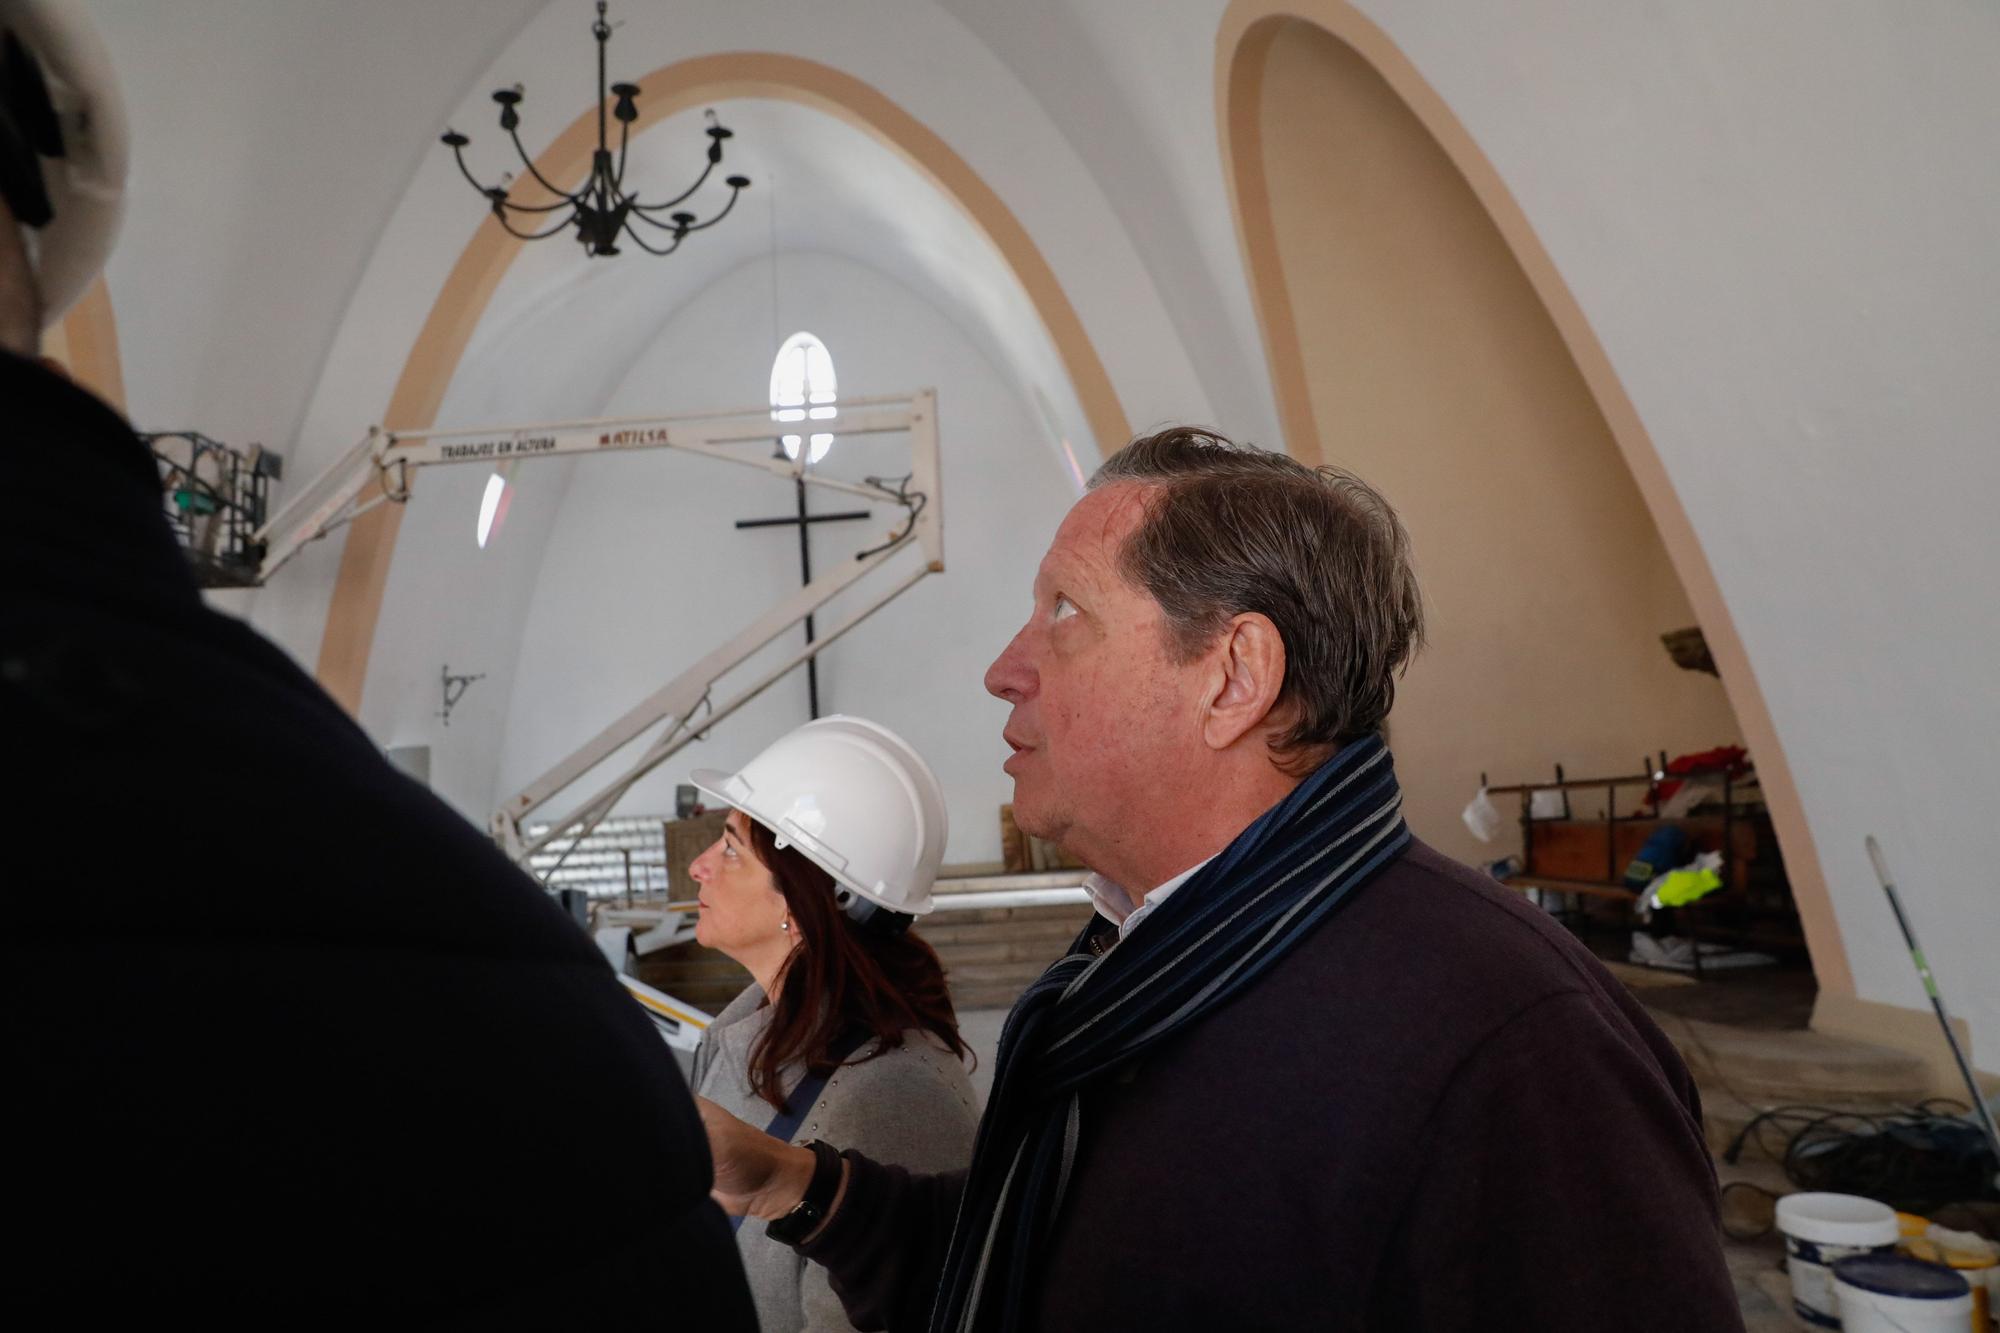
[[856, 799], [64, 122]]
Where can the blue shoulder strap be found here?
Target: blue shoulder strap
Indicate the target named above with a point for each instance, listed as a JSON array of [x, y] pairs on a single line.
[[787, 1121]]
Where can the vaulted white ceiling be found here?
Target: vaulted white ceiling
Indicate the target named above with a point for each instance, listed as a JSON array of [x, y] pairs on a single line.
[[1777, 219], [271, 145], [819, 185]]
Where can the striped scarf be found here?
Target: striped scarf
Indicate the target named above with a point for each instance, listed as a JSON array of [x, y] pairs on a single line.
[[1092, 1014]]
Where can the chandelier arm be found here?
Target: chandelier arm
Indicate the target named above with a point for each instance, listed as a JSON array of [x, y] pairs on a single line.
[[541, 208], [647, 248], [458, 155], [704, 226], [531, 235], [529, 162], [663, 226], [682, 197], [618, 176]]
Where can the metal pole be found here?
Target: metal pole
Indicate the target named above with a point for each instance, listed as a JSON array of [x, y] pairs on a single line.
[[806, 577], [1979, 1107], [600, 170]]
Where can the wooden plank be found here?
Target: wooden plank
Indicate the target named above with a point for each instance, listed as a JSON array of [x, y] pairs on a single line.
[[986, 973], [967, 998], [1054, 933], [1555, 884], [1077, 913], [1577, 849], [1013, 843], [1003, 950]]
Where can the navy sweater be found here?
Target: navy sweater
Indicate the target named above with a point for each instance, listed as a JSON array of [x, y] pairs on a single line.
[[1438, 1113]]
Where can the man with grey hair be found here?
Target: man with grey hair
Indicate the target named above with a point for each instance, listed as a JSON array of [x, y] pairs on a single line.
[[1301, 1070]]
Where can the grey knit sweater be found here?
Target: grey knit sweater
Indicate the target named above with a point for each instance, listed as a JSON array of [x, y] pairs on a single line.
[[913, 1106]]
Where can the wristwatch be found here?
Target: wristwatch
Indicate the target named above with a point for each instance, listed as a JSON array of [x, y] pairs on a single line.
[[810, 1211]]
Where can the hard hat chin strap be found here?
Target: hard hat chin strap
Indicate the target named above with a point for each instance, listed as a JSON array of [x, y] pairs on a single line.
[[871, 917]]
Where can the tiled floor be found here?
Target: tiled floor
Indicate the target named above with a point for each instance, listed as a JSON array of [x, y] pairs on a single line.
[[1761, 1286], [1767, 1303], [1757, 1266]]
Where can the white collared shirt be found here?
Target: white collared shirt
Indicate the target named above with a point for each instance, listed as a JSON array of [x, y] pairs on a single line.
[[1115, 904]]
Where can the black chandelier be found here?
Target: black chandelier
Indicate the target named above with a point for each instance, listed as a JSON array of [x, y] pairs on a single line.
[[601, 209]]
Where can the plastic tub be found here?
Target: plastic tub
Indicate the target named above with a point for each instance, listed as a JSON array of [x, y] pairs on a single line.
[[1890, 1293], [1973, 1257], [1820, 1229], [1980, 1273]]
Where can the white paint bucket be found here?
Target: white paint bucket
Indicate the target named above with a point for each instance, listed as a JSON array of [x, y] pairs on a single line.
[[1891, 1293], [1820, 1229]]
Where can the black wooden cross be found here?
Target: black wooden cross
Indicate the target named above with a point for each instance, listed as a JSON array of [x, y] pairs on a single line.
[[803, 520]]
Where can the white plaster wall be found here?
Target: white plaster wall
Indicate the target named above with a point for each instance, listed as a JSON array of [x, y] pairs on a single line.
[[1778, 219], [916, 54], [1129, 86], [644, 571], [558, 337], [450, 603], [270, 143]]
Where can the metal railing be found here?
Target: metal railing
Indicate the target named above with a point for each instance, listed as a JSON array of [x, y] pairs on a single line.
[[622, 859]]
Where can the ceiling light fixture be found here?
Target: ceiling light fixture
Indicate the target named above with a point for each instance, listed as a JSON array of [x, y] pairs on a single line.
[[600, 210]]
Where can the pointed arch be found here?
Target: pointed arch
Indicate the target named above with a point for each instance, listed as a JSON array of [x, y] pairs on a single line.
[[1244, 44], [86, 343]]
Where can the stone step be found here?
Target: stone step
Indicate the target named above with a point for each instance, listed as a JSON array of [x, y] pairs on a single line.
[[1724, 1116], [1003, 949], [1019, 972], [1795, 1065], [966, 998], [694, 975], [992, 985], [1054, 933], [990, 956], [997, 953], [1074, 913], [1743, 1071]]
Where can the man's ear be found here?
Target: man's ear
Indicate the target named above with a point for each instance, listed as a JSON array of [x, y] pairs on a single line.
[[1249, 663]]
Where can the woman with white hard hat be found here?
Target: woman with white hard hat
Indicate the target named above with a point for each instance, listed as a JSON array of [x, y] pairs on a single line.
[[832, 845]]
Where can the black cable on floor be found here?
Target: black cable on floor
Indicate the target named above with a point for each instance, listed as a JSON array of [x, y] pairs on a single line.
[[1915, 1158]]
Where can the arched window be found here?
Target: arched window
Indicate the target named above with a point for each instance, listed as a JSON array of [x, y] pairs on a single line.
[[802, 387], [493, 504]]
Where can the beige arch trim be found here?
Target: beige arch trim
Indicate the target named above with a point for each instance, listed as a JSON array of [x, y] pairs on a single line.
[[356, 606], [85, 342], [1242, 44]]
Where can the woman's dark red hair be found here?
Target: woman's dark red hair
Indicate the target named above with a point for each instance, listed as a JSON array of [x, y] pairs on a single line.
[[843, 978]]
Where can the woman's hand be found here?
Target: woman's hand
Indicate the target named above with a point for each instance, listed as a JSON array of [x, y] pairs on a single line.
[[754, 1173]]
